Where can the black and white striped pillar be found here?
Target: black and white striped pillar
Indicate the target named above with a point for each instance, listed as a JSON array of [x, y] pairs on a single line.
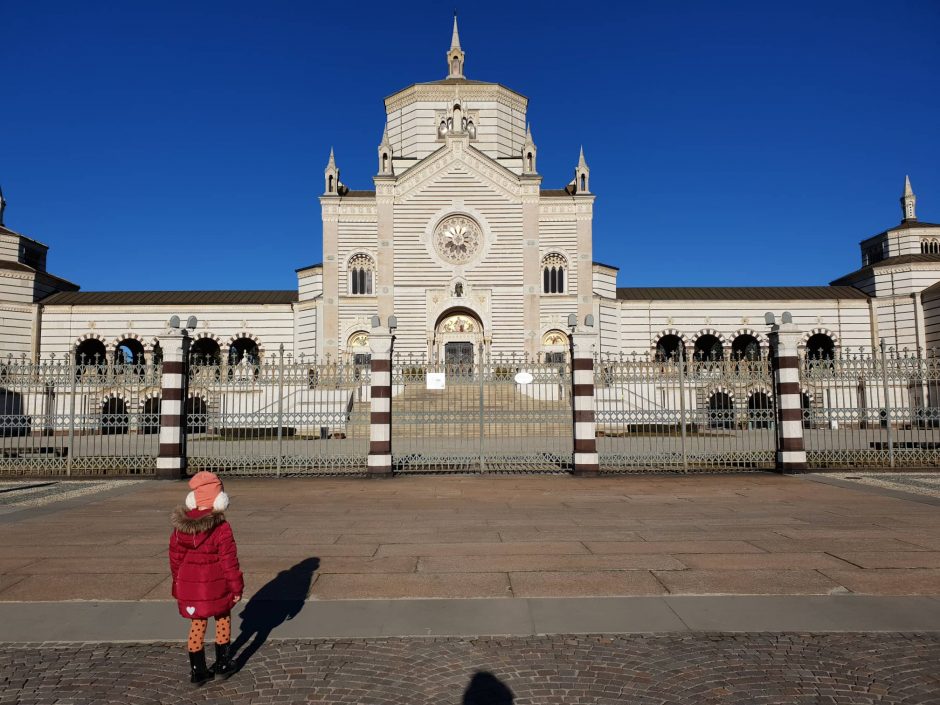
[[582, 388], [171, 460], [791, 451], [380, 410]]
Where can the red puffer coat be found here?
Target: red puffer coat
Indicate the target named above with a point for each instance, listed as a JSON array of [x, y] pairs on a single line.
[[204, 563]]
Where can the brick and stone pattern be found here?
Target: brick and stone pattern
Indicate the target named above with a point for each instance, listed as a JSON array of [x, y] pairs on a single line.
[[791, 452], [689, 669], [171, 459], [380, 411], [585, 425]]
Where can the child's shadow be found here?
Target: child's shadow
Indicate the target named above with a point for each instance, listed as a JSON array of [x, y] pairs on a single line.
[[277, 601]]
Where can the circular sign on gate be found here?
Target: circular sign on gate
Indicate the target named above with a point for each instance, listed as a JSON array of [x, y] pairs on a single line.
[[523, 378]]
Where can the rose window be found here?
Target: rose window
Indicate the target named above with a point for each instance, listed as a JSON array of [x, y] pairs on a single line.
[[457, 239]]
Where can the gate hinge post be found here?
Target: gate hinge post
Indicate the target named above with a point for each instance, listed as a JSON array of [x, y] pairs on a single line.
[[585, 461], [785, 361], [380, 405], [171, 458]]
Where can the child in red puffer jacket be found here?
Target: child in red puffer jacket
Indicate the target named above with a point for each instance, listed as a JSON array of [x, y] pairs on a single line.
[[207, 581]]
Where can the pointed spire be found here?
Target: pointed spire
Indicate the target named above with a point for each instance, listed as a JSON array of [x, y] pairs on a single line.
[[582, 174], [528, 132], [455, 38], [331, 176], [908, 201], [455, 54], [581, 161]]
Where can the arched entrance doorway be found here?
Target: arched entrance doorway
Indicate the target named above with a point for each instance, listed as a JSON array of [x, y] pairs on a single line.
[[458, 334]]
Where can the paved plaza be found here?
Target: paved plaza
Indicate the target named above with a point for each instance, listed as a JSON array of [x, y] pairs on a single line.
[[474, 537], [750, 588], [601, 670]]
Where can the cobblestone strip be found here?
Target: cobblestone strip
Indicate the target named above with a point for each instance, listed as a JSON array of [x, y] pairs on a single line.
[[597, 670]]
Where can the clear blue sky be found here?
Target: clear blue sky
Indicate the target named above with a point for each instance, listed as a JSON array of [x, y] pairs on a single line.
[[178, 145]]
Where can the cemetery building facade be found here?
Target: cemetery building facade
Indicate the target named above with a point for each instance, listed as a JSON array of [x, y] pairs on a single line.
[[460, 241]]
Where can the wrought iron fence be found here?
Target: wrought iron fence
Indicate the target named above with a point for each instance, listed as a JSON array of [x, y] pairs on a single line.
[[495, 414], [89, 417], [280, 416], [683, 415], [872, 409]]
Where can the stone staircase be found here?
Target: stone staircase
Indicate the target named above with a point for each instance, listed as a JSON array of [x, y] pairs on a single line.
[[456, 411]]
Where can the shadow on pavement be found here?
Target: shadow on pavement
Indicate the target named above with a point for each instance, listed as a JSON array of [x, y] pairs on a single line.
[[486, 689], [277, 601]]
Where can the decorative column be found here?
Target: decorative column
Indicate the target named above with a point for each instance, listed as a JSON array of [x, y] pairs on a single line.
[[380, 416], [585, 426], [791, 452], [171, 460]]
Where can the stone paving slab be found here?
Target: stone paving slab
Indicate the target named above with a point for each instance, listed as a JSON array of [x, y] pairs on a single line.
[[734, 534], [703, 669]]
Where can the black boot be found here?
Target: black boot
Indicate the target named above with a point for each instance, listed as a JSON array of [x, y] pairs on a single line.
[[224, 665], [198, 672]]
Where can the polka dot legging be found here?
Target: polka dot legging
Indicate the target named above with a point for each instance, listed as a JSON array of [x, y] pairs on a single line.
[[197, 632]]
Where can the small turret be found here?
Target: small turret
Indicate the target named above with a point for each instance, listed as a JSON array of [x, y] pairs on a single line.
[[908, 201], [529, 152], [331, 177], [385, 156], [582, 175], [455, 55]]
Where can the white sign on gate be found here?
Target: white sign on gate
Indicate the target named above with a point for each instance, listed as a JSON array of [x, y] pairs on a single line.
[[435, 380]]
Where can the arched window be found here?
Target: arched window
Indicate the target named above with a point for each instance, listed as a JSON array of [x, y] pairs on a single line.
[[528, 161], [554, 267], [244, 349], [930, 247], [361, 271], [708, 347], [759, 410], [329, 188], [745, 347], [471, 129], [205, 351], [129, 351], [442, 128], [820, 347], [150, 419], [668, 347], [384, 161], [90, 353], [114, 419], [720, 410], [583, 182], [197, 415]]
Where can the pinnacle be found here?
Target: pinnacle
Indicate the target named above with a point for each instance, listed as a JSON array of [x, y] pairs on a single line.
[[455, 38], [908, 191]]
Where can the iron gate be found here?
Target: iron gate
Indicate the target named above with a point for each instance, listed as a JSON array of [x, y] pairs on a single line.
[[281, 416], [684, 415], [90, 416], [499, 414], [866, 409]]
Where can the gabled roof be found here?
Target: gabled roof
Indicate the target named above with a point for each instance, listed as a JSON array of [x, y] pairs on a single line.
[[20, 267], [738, 293], [177, 298], [886, 262]]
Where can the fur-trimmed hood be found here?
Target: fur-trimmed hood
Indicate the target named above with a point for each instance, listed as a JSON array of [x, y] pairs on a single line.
[[194, 521]]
